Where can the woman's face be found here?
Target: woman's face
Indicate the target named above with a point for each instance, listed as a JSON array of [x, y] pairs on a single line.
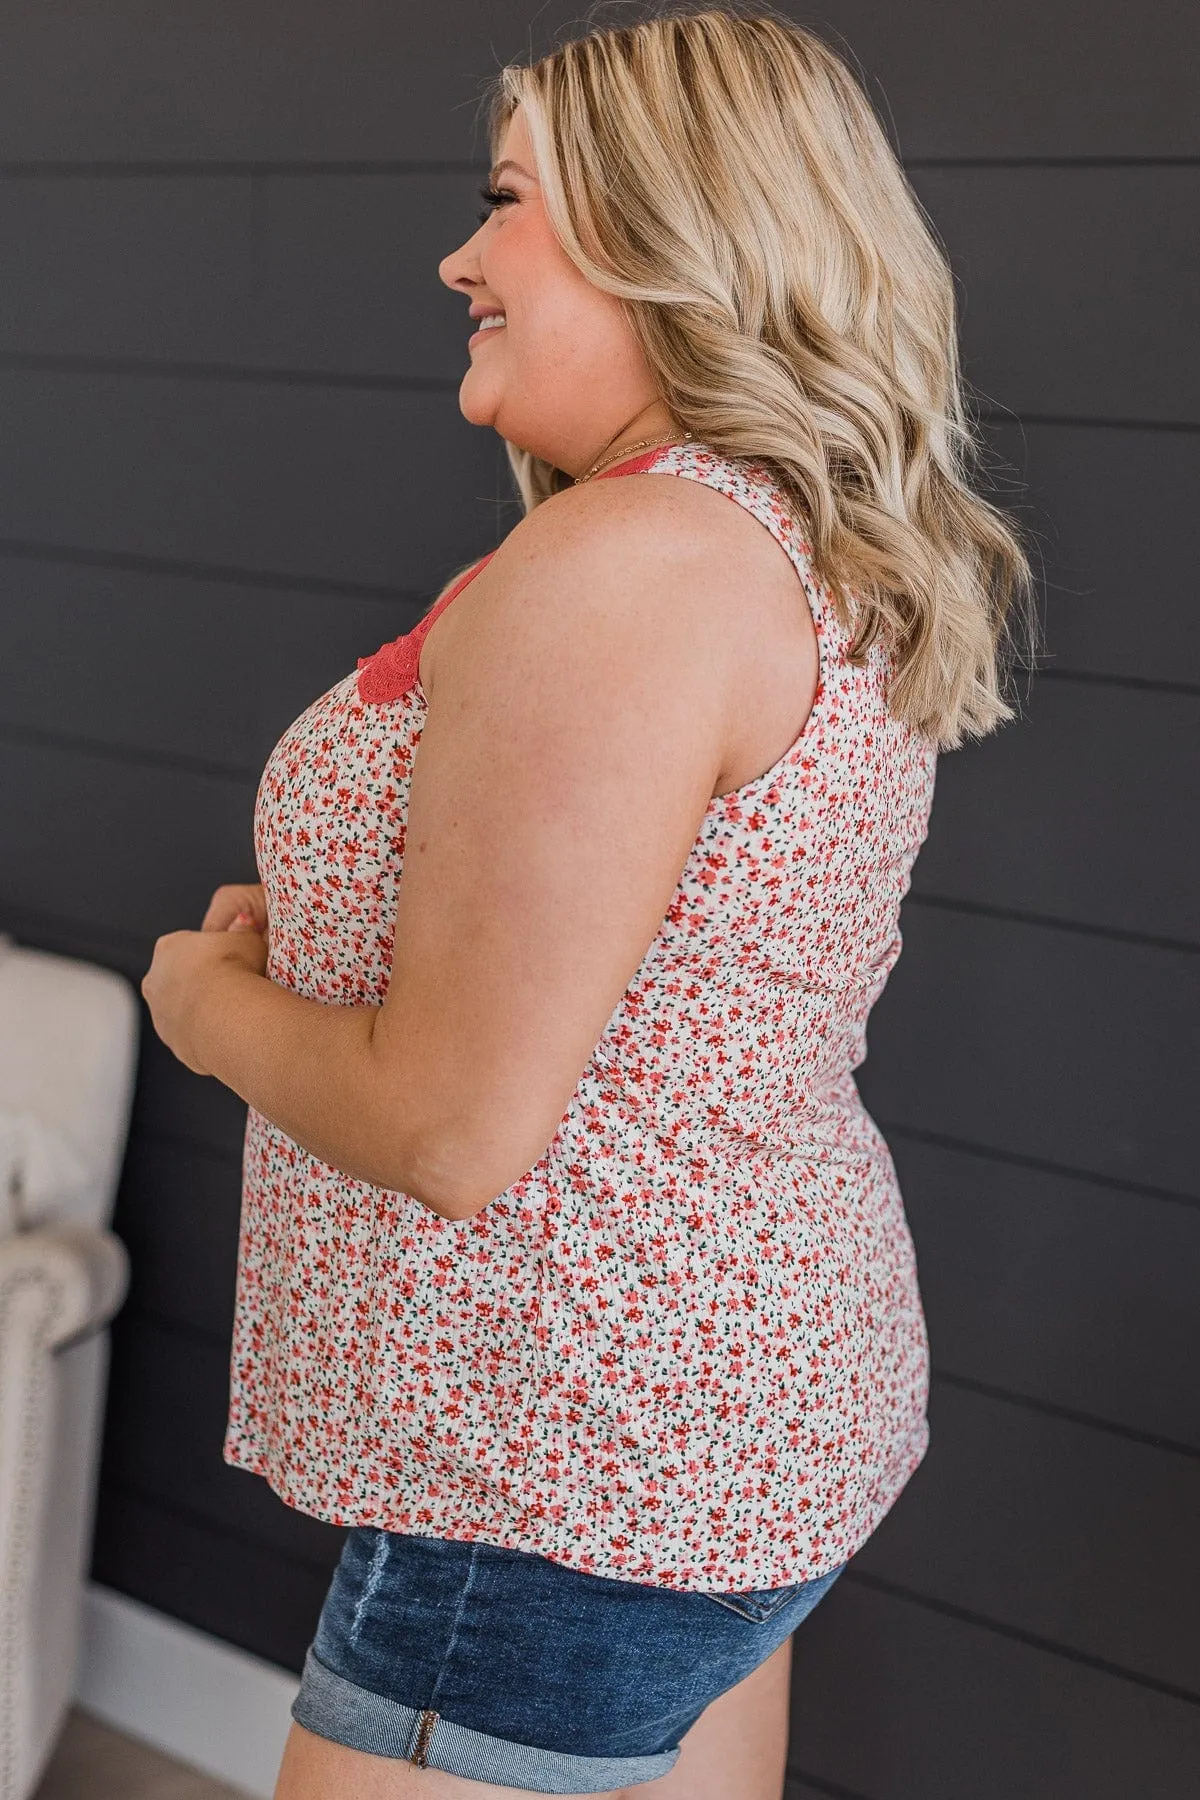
[[563, 375]]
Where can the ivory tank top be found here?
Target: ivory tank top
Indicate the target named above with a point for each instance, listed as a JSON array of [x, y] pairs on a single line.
[[686, 1348]]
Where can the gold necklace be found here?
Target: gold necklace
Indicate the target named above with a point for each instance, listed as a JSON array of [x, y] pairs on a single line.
[[626, 450]]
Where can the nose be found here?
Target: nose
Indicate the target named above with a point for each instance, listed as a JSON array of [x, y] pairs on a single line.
[[460, 270]]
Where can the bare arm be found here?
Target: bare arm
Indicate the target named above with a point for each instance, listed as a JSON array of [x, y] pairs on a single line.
[[569, 754]]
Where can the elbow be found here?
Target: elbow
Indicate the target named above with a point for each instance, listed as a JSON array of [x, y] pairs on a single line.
[[457, 1204], [438, 1183], [456, 1185]]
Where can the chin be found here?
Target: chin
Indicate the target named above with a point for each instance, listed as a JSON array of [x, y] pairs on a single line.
[[477, 410]]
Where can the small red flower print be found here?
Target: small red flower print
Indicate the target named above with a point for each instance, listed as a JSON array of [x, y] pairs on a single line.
[[687, 1347]]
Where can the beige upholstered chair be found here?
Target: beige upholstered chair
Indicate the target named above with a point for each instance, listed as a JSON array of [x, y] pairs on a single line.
[[68, 1049]]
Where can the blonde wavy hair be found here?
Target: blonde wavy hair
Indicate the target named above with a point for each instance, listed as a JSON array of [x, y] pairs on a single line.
[[724, 175]]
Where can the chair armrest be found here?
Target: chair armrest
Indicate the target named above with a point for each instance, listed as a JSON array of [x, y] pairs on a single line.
[[58, 1286], [71, 1278]]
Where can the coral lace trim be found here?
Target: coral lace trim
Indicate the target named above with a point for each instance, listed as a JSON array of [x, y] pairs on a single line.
[[392, 671]]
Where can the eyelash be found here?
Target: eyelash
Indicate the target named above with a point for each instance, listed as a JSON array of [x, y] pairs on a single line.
[[494, 197]]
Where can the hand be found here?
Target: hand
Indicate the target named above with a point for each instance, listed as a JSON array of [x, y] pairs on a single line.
[[186, 967], [229, 905]]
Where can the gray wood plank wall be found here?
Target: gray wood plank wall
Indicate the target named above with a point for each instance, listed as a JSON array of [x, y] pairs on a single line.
[[231, 461]]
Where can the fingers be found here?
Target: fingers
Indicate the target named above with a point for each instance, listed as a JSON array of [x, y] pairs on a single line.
[[227, 903]]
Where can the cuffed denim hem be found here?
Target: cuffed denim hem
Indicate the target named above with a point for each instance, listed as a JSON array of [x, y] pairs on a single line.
[[340, 1710]]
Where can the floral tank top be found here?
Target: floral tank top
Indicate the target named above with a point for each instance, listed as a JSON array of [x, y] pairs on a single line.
[[687, 1347]]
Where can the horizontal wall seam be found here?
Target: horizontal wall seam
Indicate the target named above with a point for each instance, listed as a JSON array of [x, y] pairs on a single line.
[[1145, 683], [149, 367], [1033, 1639], [109, 169], [135, 563], [40, 738], [818, 1782], [1043, 1164], [1091, 1421], [1052, 162], [144, 368], [199, 168], [1017, 916], [998, 415]]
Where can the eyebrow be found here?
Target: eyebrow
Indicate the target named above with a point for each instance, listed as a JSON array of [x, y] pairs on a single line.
[[508, 163]]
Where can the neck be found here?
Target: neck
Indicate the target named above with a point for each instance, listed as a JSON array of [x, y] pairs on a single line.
[[652, 423]]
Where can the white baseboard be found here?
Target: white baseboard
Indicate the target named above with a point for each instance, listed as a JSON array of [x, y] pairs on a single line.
[[213, 1706]]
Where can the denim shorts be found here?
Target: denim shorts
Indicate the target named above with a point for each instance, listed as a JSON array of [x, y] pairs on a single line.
[[502, 1666]]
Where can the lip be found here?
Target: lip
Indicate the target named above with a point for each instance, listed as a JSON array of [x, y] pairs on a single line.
[[490, 331]]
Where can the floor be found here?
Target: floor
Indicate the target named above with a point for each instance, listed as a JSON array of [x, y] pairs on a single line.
[[93, 1762]]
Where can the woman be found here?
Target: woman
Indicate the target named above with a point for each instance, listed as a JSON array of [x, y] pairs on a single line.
[[574, 1276]]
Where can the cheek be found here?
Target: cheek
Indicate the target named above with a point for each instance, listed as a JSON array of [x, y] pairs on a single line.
[[553, 311], [553, 319], [530, 275]]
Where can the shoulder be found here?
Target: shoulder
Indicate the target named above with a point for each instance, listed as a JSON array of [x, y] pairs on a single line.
[[658, 574], [660, 515], [668, 549], [611, 602]]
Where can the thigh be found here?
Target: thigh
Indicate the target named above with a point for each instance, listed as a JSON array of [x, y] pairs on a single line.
[[737, 1749]]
